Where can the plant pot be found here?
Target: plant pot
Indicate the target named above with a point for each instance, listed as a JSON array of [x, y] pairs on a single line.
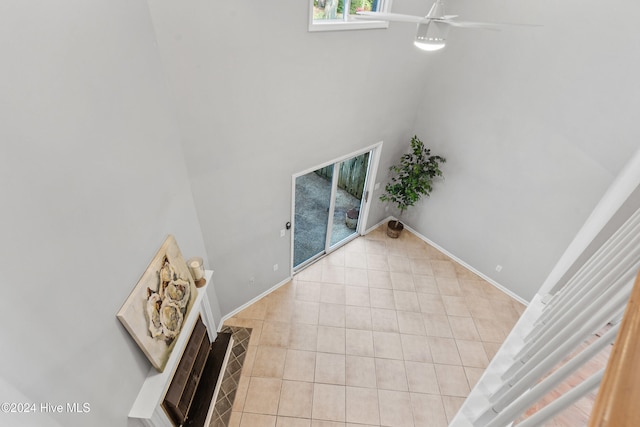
[[394, 228], [351, 218]]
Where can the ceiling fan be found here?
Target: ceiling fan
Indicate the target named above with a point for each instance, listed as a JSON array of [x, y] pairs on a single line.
[[432, 29]]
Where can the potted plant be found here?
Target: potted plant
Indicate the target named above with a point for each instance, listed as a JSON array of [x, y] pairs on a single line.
[[411, 179], [351, 218]]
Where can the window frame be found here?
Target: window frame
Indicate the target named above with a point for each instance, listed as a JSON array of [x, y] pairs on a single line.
[[348, 23]]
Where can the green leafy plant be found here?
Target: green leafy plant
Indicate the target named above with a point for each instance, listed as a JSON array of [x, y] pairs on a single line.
[[413, 177]]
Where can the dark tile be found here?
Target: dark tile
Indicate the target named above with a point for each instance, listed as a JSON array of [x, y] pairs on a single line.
[[233, 365], [225, 417], [237, 350], [228, 384], [241, 357], [218, 422], [232, 395], [231, 376], [236, 376], [223, 404], [242, 334]]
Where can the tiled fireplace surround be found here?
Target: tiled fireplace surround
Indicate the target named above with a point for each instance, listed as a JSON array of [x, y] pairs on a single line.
[[382, 332]]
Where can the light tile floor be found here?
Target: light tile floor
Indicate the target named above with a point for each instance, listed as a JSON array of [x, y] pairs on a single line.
[[382, 332]]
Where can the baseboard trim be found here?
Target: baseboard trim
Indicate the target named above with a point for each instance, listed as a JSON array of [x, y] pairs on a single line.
[[255, 299], [467, 266], [370, 229], [276, 286], [453, 257], [384, 221]]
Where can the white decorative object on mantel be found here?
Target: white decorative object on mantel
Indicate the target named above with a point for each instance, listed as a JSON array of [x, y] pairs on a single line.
[[196, 267], [147, 406], [155, 310]]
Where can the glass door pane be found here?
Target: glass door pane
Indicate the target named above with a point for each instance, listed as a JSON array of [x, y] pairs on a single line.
[[327, 206], [349, 194], [312, 205]]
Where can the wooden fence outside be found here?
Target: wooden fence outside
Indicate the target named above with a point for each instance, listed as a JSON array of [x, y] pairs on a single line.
[[352, 174]]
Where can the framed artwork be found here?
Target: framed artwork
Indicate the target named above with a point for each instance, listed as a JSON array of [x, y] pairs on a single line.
[[154, 311]]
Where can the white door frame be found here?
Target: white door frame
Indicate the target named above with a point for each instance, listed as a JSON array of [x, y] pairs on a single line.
[[374, 160]]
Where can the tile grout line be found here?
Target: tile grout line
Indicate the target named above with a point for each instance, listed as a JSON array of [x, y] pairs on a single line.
[[396, 317]]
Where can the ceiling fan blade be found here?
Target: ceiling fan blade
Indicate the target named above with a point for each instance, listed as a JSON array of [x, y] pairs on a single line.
[[464, 24], [396, 17], [496, 26]]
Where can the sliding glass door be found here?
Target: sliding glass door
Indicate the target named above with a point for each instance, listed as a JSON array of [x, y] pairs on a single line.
[[312, 205], [327, 205], [350, 191]]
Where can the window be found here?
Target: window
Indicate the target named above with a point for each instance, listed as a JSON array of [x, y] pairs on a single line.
[[332, 15]]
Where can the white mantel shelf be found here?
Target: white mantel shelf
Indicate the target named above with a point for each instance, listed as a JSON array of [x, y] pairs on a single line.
[[147, 407]]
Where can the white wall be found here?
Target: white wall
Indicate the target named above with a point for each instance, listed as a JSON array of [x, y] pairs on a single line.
[[535, 123], [260, 98], [92, 179], [93, 175]]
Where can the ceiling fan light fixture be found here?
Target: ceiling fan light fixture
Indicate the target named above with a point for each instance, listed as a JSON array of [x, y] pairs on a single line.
[[430, 36], [429, 45]]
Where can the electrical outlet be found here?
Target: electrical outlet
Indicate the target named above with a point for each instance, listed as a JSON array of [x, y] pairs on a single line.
[[498, 268], [282, 232], [252, 281], [275, 267]]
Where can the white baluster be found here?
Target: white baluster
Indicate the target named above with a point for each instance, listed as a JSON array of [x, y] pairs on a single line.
[[564, 401], [593, 300], [585, 291], [611, 248], [576, 331], [516, 400]]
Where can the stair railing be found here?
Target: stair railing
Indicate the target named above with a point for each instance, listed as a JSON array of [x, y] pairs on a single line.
[[618, 400], [549, 332]]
